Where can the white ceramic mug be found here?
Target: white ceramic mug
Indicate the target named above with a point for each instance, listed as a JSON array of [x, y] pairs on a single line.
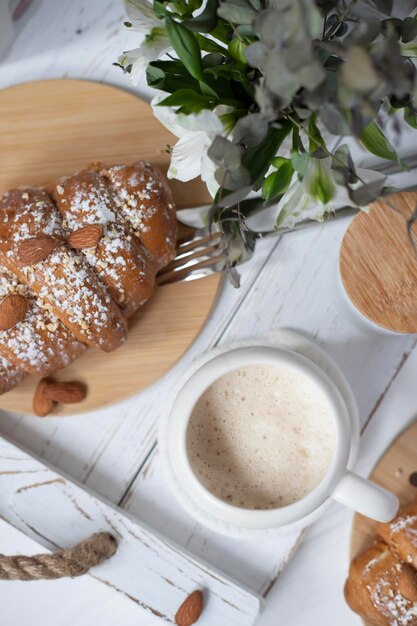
[[338, 483]]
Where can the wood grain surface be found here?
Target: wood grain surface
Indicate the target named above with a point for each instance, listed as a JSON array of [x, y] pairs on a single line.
[[146, 568], [291, 282], [393, 471], [56, 127], [378, 264]]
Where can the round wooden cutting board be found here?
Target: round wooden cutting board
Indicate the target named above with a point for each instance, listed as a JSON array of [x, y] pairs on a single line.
[[396, 471], [53, 128], [378, 263]]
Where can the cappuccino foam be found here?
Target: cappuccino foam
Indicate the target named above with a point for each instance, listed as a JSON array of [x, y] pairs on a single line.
[[261, 437]]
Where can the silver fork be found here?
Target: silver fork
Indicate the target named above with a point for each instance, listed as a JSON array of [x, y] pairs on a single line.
[[208, 252]]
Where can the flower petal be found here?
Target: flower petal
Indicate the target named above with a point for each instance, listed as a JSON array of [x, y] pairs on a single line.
[[296, 204], [135, 62], [319, 181], [156, 43], [187, 155], [208, 170], [141, 15], [167, 116], [206, 120]]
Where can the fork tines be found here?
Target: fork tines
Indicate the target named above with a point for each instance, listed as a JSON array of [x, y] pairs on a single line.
[[199, 257]]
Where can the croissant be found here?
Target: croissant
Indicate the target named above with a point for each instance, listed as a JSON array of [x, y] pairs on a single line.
[[119, 260], [10, 375], [83, 252], [382, 588], [39, 344], [382, 582], [401, 534]]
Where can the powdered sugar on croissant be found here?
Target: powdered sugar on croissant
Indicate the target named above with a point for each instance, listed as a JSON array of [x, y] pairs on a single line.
[[120, 261], [63, 281], [80, 295]]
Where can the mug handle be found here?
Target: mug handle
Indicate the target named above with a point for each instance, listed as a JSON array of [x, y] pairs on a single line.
[[366, 497]]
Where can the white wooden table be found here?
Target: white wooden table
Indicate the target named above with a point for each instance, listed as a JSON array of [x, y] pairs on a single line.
[[292, 282]]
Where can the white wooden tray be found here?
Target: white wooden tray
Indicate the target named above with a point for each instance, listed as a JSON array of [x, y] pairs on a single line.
[[147, 569]]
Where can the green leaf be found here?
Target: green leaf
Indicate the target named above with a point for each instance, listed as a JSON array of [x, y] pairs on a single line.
[[208, 45], [300, 162], [186, 46], [258, 159], [375, 141], [213, 59], [315, 138], [206, 89], [170, 76], [319, 181], [159, 9], [236, 48], [206, 21], [187, 97], [278, 161], [227, 70], [237, 11], [278, 182], [410, 117]]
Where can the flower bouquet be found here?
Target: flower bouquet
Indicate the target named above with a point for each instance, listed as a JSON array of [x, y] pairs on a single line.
[[267, 96]]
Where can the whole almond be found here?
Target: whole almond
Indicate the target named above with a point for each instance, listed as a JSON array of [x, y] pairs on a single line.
[[36, 249], [66, 393], [86, 237], [13, 309], [42, 405], [190, 610]]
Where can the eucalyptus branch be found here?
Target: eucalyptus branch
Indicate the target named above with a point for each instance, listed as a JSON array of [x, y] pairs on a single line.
[[267, 93]]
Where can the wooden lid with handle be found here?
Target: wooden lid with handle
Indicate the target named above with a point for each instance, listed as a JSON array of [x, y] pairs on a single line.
[[378, 263]]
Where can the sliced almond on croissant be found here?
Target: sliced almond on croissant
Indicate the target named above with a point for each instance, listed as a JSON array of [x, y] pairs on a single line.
[[13, 309]]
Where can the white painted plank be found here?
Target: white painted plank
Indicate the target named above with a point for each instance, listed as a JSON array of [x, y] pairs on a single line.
[[312, 584], [254, 563], [105, 448], [297, 288], [153, 574], [82, 600]]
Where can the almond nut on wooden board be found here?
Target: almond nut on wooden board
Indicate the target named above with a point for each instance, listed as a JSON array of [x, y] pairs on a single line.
[[13, 309], [86, 237], [36, 249], [66, 393], [42, 405], [190, 610]]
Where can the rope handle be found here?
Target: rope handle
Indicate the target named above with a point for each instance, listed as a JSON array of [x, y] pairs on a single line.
[[75, 561]]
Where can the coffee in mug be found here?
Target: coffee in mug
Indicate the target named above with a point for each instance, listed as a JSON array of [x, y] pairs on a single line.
[[231, 478], [261, 436]]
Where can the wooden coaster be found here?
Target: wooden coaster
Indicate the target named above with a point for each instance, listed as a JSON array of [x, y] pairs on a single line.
[[396, 471], [56, 127], [378, 264]]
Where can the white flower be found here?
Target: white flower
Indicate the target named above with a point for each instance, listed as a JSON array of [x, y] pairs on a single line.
[[301, 201], [155, 44], [141, 15], [196, 132]]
